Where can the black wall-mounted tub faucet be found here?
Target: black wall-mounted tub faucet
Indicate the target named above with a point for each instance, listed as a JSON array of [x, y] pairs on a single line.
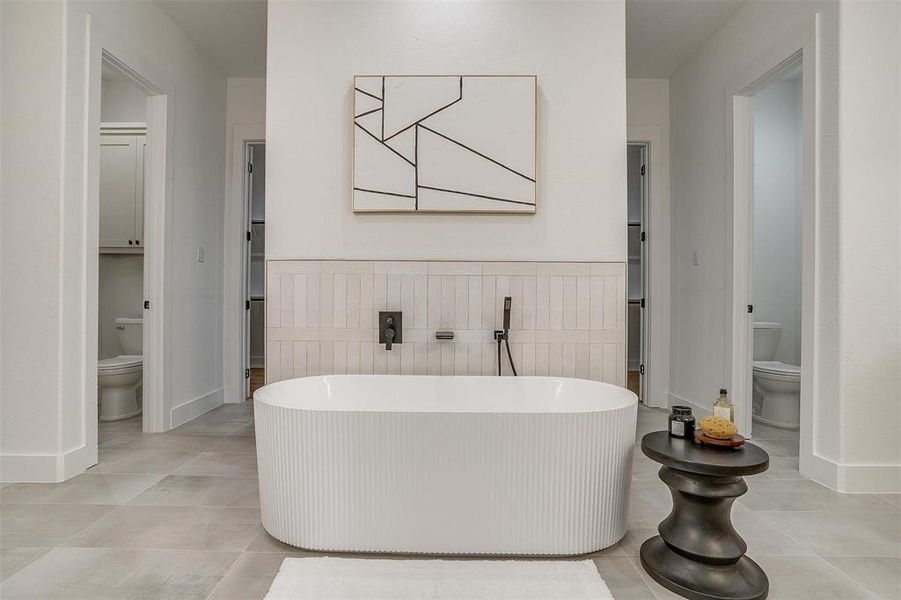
[[390, 328]]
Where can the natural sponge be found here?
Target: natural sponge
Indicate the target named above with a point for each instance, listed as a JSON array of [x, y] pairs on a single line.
[[717, 427]]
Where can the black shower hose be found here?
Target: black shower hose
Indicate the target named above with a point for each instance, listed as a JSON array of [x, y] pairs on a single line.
[[506, 341]]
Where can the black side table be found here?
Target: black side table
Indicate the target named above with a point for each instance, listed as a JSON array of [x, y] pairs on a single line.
[[698, 553]]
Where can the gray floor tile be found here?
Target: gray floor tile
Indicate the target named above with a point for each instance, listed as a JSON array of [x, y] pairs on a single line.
[[250, 576], [13, 560], [221, 463], [763, 538], [87, 488], [761, 431], [234, 443], [36, 525], [130, 461], [842, 533], [192, 490], [893, 499], [167, 442], [171, 528], [803, 495], [882, 576], [807, 577], [623, 579], [100, 574], [782, 467], [633, 540], [650, 502], [779, 447], [263, 542]]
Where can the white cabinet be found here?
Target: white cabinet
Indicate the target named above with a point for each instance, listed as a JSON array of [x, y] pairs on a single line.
[[122, 161]]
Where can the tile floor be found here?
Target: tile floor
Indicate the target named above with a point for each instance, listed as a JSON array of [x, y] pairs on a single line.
[[176, 516]]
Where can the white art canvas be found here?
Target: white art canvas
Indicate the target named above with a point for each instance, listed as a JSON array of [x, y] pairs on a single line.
[[455, 143]]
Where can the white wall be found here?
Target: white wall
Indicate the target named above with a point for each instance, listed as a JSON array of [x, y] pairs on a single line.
[[777, 212], [46, 387], [576, 50], [121, 295], [648, 120], [869, 251], [121, 101], [854, 433]]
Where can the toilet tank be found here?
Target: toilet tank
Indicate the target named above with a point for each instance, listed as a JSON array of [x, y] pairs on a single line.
[[766, 340], [131, 335]]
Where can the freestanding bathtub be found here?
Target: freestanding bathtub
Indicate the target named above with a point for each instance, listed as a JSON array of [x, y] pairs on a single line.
[[445, 465]]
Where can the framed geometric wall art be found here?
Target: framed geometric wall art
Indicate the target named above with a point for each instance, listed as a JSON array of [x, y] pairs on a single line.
[[445, 143]]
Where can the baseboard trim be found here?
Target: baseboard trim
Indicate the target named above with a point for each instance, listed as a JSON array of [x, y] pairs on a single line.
[[46, 468], [844, 478], [192, 409]]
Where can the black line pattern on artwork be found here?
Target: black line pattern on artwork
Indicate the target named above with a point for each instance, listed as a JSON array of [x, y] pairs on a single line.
[[416, 125], [427, 187], [416, 160], [371, 95], [368, 112], [407, 160], [488, 158], [385, 193], [431, 114]]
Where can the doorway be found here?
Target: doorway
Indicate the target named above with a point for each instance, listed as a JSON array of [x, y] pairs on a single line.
[[123, 155], [637, 267], [777, 121], [126, 159], [255, 301], [773, 160]]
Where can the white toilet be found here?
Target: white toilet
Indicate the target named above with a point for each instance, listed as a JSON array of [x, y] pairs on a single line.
[[777, 385], [119, 378]]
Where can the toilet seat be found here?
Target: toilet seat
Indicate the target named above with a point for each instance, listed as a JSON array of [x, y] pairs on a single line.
[[121, 363], [776, 367]]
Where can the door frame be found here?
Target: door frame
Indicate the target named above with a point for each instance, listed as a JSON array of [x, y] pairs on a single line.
[[798, 47], [105, 47], [235, 340], [655, 390]]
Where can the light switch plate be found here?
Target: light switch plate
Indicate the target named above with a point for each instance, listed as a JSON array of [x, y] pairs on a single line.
[[696, 256], [200, 254]]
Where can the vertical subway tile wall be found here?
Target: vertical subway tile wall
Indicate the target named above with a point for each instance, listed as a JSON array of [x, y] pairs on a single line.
[[568, 319]]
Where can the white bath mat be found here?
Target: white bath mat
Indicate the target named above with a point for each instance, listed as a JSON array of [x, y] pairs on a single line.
[[384, 579]]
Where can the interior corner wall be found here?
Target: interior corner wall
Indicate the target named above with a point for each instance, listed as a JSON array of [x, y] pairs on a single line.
[[870, 254], [44, 380], [30, 213], [576, 49], [700, 344]]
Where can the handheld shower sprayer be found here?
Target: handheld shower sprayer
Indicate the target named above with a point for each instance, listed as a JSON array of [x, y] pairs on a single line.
[[503, 336], [508, 304]]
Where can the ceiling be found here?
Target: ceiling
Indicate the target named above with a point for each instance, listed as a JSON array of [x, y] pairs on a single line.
[[232, 33], [660, 34], [663, 34]]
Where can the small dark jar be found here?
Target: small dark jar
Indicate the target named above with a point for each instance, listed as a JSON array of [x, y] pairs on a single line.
[[682, 423]]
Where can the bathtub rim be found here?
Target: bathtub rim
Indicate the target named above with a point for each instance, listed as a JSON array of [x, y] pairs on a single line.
[[616, 397]]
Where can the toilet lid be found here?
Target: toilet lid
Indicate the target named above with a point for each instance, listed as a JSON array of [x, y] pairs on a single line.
[[121, 361], [777, 367]]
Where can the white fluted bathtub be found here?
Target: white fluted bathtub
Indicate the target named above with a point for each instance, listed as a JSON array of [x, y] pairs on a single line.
[[457, 465]]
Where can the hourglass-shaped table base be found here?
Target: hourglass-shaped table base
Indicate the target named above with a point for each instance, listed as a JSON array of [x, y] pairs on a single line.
[[698, 553]]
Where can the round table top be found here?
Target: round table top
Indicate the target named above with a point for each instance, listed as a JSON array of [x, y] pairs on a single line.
[[685, 455]]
